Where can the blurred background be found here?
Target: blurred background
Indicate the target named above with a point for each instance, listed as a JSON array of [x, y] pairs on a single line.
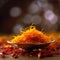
[[19, 14]]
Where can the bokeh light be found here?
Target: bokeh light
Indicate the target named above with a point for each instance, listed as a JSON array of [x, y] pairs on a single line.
[[36, 19], [39, 3], [15, 11], [17, 28], [31, 19], [33, 8], [27, 19], [50, 16], [47, 6]]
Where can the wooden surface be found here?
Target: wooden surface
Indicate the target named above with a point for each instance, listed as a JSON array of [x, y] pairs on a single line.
[[33, 58]]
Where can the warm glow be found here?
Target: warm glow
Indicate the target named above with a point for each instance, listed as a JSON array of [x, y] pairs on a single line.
[[31, 36]]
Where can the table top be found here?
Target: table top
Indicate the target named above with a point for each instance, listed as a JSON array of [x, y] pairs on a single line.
[[33, 58], [51, 58]]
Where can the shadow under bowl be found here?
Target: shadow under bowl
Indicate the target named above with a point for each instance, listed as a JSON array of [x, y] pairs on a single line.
[[35, 46]]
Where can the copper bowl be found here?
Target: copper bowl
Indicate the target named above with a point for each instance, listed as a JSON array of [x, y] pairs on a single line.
[[32, 46]]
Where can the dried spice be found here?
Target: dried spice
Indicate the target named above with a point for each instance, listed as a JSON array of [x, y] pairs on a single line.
[[31, 36]]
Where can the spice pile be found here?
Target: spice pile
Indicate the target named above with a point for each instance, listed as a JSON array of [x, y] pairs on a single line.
[[30, 36]]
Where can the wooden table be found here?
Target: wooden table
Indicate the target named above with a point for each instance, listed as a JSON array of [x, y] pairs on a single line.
[[33, 58]]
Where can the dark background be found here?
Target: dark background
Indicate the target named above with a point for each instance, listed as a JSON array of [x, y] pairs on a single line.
[[7, 22]]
